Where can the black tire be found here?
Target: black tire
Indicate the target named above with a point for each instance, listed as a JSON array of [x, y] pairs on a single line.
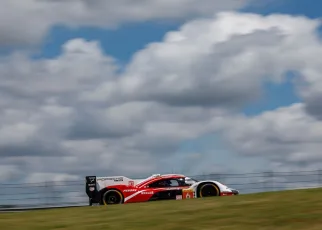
[[208, 190], [111, 197]]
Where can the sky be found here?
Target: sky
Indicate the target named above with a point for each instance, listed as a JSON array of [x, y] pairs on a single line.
[[141, 87]]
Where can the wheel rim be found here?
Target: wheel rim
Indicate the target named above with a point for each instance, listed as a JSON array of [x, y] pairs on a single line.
[[112, 198], [208, 190]]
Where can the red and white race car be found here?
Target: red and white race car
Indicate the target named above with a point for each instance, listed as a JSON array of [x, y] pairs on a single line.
[[120, 189]]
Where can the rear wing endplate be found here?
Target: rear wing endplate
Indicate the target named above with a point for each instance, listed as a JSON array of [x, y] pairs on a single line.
[[90, 187]]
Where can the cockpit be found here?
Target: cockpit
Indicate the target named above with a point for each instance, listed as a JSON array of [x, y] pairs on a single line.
[[187, 181]]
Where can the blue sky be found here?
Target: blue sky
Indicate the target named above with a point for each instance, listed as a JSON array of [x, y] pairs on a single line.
[[309, 8], [114, 42], [124, 41], [277, 95], [85, 81]]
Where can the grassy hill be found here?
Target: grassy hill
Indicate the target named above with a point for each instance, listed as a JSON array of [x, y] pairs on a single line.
[[299, 209]]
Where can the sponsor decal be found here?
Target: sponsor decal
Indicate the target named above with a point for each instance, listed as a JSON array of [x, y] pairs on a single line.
[[91, 179], [130, 190], [173, 188], [178, 197], [188, 193], [131, 183], [116, 179], [145, 193]]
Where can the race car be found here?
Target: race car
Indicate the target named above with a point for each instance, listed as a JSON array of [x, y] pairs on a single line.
[[122, 190]]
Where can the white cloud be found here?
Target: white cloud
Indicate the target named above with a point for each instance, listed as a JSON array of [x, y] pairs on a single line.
[[74, 114], [82, 65], [286, 134], [221, 61], [28, 21]]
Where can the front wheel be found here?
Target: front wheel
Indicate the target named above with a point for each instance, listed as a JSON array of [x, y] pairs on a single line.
[[112, 197], [207, 190]]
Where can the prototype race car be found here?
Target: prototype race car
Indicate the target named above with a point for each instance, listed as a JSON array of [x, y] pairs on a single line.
[[120, 189]]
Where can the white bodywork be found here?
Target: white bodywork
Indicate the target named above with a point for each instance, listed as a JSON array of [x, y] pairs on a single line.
[[102, 182], [194, 185]]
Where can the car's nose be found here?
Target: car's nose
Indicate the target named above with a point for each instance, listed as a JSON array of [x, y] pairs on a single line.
[[235, 192]]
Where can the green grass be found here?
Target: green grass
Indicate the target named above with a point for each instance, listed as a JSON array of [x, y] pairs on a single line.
[[288, 210]]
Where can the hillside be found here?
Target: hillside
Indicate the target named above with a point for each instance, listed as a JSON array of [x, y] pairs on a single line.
[[300, 209]]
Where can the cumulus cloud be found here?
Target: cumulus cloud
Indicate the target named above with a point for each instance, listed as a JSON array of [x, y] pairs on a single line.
[[76, 114], [286, 135], [82, 65], [27, 22], [220, 62]]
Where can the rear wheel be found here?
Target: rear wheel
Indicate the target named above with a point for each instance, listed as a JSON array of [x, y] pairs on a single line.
[[111, 197], [208, 190]]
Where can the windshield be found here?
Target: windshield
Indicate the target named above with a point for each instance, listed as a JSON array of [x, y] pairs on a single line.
[[189, 180]]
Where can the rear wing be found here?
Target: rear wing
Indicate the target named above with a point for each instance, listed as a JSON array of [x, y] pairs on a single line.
[[91, 188], [95, 184]]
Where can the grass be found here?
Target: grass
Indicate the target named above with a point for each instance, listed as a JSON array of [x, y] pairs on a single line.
[[298, 209]]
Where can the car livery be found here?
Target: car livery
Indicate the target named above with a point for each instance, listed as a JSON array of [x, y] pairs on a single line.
[[122, 190]]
